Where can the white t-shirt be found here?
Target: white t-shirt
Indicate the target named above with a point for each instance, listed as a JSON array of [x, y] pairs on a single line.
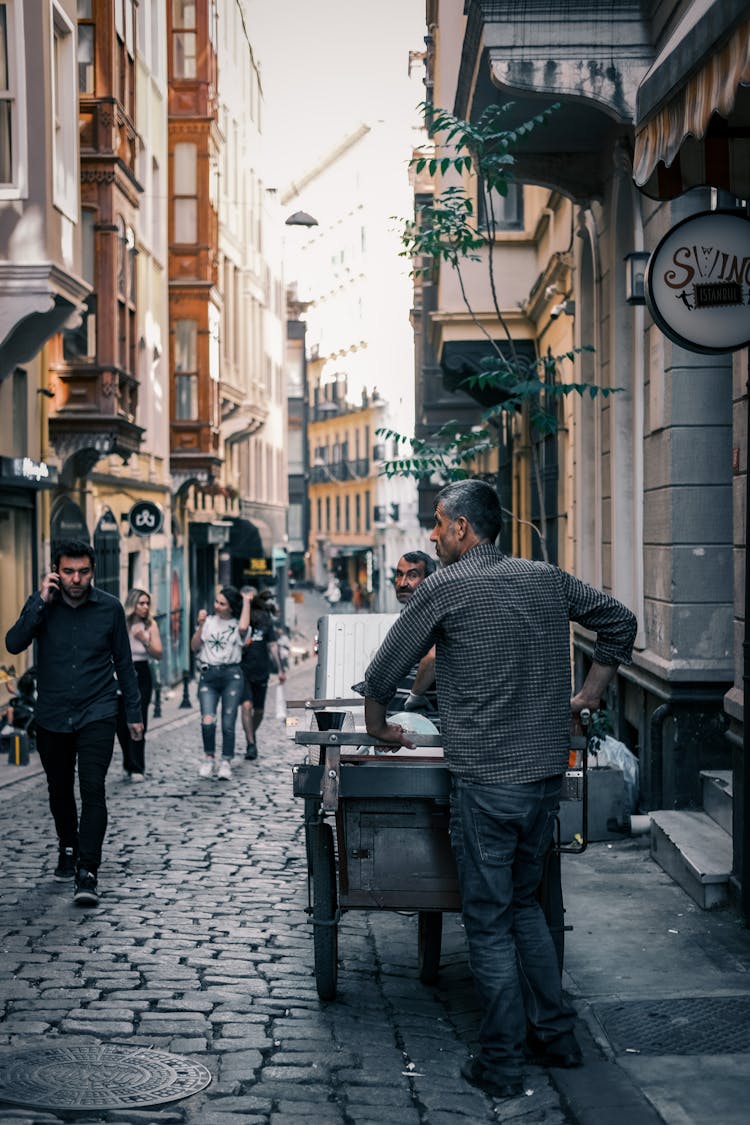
[[221, 641], [137, 648]]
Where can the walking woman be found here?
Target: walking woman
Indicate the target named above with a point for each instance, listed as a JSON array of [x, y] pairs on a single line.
[[145, 645], [218, 641]]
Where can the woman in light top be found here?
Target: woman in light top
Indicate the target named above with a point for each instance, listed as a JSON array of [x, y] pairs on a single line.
[[217, 640], [145, 645]]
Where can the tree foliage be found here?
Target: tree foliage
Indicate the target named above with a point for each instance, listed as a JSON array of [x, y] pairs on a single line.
[[446, 231]]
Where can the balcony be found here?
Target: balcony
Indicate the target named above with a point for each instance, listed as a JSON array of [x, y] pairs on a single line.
[[93, 415], [589, 57], [106, 130], [321, 472]]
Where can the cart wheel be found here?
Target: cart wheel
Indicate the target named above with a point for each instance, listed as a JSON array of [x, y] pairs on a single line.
[[551, 901], [429, 938], [325, 929]]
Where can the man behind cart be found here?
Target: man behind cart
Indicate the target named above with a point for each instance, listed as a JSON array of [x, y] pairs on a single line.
[[501, 628]]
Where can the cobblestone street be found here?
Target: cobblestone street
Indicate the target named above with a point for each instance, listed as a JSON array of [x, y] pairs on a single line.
[[201, 947]]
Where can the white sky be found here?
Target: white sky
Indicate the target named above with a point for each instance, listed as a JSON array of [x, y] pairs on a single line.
[[328, 65]]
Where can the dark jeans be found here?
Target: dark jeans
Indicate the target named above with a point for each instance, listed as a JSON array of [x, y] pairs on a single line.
[[500, 836], [134, 753], [224, 684], [91, 747]]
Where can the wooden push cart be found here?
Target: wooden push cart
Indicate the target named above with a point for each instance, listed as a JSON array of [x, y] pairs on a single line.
[[376, 835]]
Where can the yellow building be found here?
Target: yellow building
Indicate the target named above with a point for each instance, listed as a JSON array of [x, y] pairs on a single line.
[[343, 470]]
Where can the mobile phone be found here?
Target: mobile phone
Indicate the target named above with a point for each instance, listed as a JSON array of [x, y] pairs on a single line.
[[54, 590]]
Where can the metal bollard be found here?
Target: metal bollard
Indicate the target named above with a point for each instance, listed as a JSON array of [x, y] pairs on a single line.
[[185, 693], [157, 701]]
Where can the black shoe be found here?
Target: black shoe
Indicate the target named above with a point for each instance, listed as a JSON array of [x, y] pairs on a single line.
[[251, 752], [475, 1072], [562, 1052], [66, 865], [85, 892]]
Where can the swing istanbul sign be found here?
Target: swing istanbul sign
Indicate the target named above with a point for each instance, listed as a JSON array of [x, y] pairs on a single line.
[[698, 282]]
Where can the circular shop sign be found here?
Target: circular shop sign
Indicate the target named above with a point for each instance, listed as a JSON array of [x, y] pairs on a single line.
[[698, 282], [145, 518]]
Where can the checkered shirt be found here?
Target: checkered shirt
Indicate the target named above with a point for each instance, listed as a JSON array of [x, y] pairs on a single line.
[[501, 627]]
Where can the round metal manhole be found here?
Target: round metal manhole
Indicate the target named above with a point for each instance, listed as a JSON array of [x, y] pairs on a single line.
[[98, 1076]]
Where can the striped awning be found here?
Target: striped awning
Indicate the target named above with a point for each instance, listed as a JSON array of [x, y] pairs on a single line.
[[700, 134]]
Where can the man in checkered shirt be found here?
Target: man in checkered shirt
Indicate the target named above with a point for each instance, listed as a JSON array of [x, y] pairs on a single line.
[[501, 627]]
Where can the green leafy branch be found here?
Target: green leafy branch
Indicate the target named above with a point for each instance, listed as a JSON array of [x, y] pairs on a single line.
[[446, 230]]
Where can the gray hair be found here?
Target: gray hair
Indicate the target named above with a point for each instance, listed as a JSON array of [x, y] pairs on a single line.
[[477, 502]]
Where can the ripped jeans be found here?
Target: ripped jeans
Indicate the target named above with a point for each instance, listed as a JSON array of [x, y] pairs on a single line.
[[224, 683], [500, 836]]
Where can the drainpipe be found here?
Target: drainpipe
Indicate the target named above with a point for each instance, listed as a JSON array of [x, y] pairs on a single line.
[[656, 743]]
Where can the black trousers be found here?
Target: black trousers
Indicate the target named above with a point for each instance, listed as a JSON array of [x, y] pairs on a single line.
[[134, 753], [90, 748]]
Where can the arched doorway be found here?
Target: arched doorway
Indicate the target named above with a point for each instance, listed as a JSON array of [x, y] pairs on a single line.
[[67, 522], [107, 551]]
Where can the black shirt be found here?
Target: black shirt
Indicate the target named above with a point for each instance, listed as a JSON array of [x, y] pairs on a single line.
[[255, 656], [78, 653]]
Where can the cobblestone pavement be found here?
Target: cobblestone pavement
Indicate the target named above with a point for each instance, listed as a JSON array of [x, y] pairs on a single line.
[[201, 947]]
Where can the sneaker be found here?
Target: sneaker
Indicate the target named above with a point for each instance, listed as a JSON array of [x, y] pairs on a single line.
[[137, 777], [85, 892], [494, 1084], [207, 769], [225, 770], [66, 865], [251, 752]]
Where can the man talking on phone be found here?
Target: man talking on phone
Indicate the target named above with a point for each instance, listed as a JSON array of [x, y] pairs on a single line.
[[82, 643]]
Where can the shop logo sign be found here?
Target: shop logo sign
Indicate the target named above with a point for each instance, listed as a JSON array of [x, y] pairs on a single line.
[[698, 282], [145, 518]]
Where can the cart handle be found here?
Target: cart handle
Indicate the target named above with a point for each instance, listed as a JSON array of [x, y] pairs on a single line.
[[581, 742], [358, 738], [319, 704]]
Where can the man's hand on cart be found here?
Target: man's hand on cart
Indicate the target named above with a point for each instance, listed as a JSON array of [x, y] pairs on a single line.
[[592, 691], [392, 735]]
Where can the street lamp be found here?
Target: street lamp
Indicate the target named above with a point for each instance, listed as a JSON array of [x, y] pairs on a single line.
[[297, 329], [301, 219]]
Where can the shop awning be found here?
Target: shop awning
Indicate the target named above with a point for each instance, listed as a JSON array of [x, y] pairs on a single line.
[[693, 108], [346, 550], [460, 359], [245, 541]]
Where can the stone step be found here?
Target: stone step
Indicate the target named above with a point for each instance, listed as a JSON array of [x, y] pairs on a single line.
[[716, 787], [695, 852]]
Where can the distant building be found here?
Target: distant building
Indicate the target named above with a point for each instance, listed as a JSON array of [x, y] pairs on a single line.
[[226, 307], [252, 407], [359, 358]]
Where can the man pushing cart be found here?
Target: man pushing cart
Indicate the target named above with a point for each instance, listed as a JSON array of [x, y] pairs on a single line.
[[501, 629]]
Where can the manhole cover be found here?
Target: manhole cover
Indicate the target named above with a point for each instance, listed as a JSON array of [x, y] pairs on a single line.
[[98, 1076], [693, 1025]]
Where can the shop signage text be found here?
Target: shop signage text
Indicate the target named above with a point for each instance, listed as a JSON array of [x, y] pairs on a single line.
[[698, 282], [23, 470]]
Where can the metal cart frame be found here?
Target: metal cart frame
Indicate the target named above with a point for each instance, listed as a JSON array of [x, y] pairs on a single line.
[[390, 835]]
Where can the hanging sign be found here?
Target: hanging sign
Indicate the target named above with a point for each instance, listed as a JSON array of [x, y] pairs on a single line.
[[698, 282], [145, 518]]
